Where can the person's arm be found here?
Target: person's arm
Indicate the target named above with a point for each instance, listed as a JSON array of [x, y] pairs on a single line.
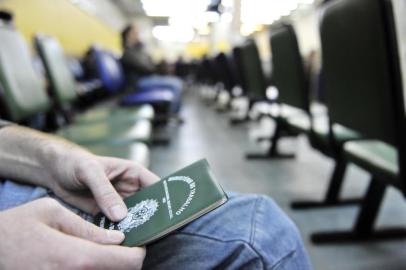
[[26, 154], [46, 234], [89, 182]]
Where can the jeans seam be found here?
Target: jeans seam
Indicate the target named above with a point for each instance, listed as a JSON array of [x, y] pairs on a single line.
[[248, 244], [253, 221], [277, 264], [252, 238]]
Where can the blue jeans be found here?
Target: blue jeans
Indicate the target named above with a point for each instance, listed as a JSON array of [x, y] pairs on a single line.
[[248, 232], [170, 83]]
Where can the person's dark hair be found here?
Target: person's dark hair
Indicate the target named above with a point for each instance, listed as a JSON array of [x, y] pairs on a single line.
[[6, 16], [125, 33]]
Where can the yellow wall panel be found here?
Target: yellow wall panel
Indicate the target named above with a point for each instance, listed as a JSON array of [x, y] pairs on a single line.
[[75, 29]]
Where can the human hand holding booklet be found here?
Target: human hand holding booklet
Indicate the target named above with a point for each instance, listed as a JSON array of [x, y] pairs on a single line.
[[167, 205]]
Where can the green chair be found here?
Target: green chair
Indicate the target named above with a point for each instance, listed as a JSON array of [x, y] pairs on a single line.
[[252, 78], [62, 82], [364, 93], [255, 81], [63, 87], [300, 114], [256, 85], [290, 80], [24, 93]]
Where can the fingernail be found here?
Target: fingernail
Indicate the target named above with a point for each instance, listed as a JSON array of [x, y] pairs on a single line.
[[118, 212], [115, 236]]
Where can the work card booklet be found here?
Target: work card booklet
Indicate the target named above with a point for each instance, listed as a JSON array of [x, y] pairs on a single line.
[[168, 205]]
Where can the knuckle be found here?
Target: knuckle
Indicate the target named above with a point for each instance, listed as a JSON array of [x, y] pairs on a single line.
[[91, 233], [87, 164], [84, 168], [108, 195]]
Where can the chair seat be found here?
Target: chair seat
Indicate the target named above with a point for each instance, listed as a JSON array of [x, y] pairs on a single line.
[[376, 157], [301, 122], [116, 114], [299, 119], [108, 132], [137, 152], [157, 96]]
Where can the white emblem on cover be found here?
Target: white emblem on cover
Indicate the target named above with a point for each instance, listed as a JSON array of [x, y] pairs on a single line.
[[138, 215]]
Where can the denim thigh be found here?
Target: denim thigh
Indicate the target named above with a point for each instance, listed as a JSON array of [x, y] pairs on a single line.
[[248, 232]]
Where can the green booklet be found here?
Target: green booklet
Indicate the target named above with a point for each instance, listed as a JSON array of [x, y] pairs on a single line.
[[167, 205]]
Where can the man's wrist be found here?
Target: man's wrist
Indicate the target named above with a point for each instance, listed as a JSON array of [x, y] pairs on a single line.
[[58, 158]]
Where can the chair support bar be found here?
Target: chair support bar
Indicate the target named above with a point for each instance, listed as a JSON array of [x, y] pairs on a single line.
[[363, 229], [333, 192]]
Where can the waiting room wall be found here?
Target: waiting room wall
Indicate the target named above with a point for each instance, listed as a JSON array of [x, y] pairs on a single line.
[[74, 28]]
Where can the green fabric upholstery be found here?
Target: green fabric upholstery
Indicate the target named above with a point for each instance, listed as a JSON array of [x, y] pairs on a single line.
[[362, 84], [25, 96], [108, 132], [341, 133], [23, 91], [320, 129], [356, 68], [288, 70], [379, 158], [61, 79], [137, 152], [300, 123], [65, 88], [116, 114], [254, 78]]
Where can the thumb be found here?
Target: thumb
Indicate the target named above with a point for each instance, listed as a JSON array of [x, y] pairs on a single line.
[[74, 225], [106, 196]]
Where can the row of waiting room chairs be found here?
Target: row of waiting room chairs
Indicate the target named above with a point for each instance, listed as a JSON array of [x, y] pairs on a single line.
[[106, 128], [363, 119]]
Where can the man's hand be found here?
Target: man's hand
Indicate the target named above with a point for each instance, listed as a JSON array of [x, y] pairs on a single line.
[[45, 235], [94, 183], [87, 181]]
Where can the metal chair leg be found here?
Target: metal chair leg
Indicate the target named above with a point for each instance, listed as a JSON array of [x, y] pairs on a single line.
[[333, 192], [363, 229]]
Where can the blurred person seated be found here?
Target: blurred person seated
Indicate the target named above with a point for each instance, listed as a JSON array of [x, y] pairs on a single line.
[[57, 186], [140, 69]]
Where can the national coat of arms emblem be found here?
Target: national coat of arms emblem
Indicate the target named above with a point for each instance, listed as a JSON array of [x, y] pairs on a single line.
[[138, 215]]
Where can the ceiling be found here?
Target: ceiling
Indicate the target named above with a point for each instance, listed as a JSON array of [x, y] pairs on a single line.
[[115, 13], [129, 8]]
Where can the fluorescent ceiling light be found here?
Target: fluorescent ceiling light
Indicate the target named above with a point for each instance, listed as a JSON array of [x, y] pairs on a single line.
[[168, 8], [227, 3], [211, 16], [173, 33], [267, 11], [227, 17]]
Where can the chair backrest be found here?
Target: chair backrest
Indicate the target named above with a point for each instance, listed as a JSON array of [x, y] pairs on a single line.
[[224, 71], [253, 73], [61, 79], [361, 69], [238, 68], [205, 74], [356, 68], [76, 68], [23, 89], [288, 68], [109, 69]]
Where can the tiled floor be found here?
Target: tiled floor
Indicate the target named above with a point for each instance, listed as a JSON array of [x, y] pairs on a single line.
[[207, 134]]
